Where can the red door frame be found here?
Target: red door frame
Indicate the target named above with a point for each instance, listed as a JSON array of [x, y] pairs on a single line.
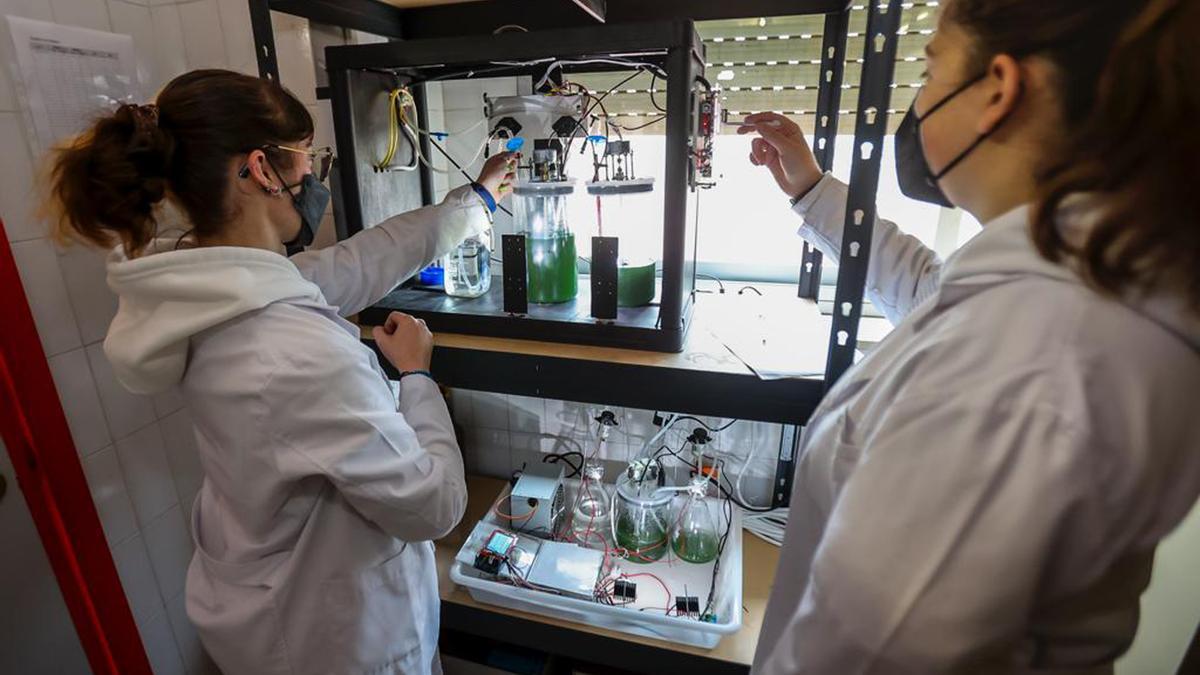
[[34, 429]]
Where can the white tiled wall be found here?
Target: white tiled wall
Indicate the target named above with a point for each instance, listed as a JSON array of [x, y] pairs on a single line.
[[138, 452], [501, 432]]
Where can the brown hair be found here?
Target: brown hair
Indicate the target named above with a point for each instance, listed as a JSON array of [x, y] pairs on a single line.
[[1130, 91], [106, 183]]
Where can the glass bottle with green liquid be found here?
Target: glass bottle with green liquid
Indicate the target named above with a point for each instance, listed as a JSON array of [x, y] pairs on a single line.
[[540, 210], [643, 514], [694, 537]]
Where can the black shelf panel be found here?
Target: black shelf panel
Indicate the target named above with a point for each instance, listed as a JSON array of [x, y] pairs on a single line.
[[569, 322], [463, 51], [705, 378], [695, 392], [369, 16], [484, 17]]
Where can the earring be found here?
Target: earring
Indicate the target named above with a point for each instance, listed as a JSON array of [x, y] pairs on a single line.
[[273, 190]]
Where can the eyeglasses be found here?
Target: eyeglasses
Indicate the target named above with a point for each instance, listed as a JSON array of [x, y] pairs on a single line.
[[320, 158]]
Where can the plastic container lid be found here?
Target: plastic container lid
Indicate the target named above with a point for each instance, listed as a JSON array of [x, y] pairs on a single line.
[[432, 276]]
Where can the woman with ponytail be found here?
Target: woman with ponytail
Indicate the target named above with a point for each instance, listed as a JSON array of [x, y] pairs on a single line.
[[322, 492], [984, 491]]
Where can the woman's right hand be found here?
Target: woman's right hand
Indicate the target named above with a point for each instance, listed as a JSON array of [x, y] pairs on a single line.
[[782, 149], [499, 173], [405, 341]]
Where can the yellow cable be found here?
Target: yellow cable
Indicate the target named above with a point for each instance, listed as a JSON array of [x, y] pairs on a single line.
[[393, 131]]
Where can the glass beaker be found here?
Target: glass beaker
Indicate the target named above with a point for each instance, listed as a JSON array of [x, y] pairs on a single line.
[[540, 211], [468, 268], [628, 208], [591, 520], [643, 515], [694, 537]]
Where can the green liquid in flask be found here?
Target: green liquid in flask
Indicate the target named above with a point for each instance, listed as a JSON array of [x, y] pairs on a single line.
[[696, 547], [551, 266], [646, 542]]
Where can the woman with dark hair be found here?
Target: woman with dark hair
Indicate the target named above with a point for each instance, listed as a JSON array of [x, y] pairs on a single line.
[[984, 491], [321, 493]]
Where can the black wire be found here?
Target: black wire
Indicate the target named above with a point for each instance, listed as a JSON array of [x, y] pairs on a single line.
[[712, 589], [714, 278], [653, 101], [726, 492], [598, 100], [699, 421], [445, 154], [656, 120], [563, 439], [743, 289], [555, 457]]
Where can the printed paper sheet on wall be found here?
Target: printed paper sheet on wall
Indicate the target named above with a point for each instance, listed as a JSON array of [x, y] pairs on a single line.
[[70, 76]]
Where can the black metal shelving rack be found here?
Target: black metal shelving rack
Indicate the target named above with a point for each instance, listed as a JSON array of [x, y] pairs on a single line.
[[716, 394], [360, 74], [789, 402]]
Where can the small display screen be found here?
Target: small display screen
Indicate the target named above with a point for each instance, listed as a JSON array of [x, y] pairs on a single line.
[[500, 543]]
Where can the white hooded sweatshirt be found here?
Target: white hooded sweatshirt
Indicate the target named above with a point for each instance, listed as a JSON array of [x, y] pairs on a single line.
[[984, 491], [321, 495]]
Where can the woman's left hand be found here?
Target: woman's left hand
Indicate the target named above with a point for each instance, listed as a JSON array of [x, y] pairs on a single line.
[[498, 174]]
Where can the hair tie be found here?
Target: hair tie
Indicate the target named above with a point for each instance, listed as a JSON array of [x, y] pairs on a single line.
[[149, 113], [143, 115]]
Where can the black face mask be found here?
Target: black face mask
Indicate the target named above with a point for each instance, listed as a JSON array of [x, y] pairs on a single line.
[[916, 179]]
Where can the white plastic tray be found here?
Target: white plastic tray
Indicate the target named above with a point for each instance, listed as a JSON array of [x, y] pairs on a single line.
[[727, 601]]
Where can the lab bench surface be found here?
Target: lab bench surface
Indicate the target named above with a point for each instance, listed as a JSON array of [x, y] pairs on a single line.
[[706, 378], [600, 646]]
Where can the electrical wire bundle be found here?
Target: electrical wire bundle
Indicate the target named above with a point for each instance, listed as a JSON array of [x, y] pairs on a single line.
[[396, 122], [769, 527], [598, 102], [403, 118]]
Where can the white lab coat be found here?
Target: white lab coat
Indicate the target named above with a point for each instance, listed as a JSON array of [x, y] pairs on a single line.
[[983, 492], [320, 496]]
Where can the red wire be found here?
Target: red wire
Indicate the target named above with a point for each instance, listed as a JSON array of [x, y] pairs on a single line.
[[654, 577]]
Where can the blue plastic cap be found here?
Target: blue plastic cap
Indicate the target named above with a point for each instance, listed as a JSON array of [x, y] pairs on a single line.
[[433, 275], [598, 139], [514, 144]]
